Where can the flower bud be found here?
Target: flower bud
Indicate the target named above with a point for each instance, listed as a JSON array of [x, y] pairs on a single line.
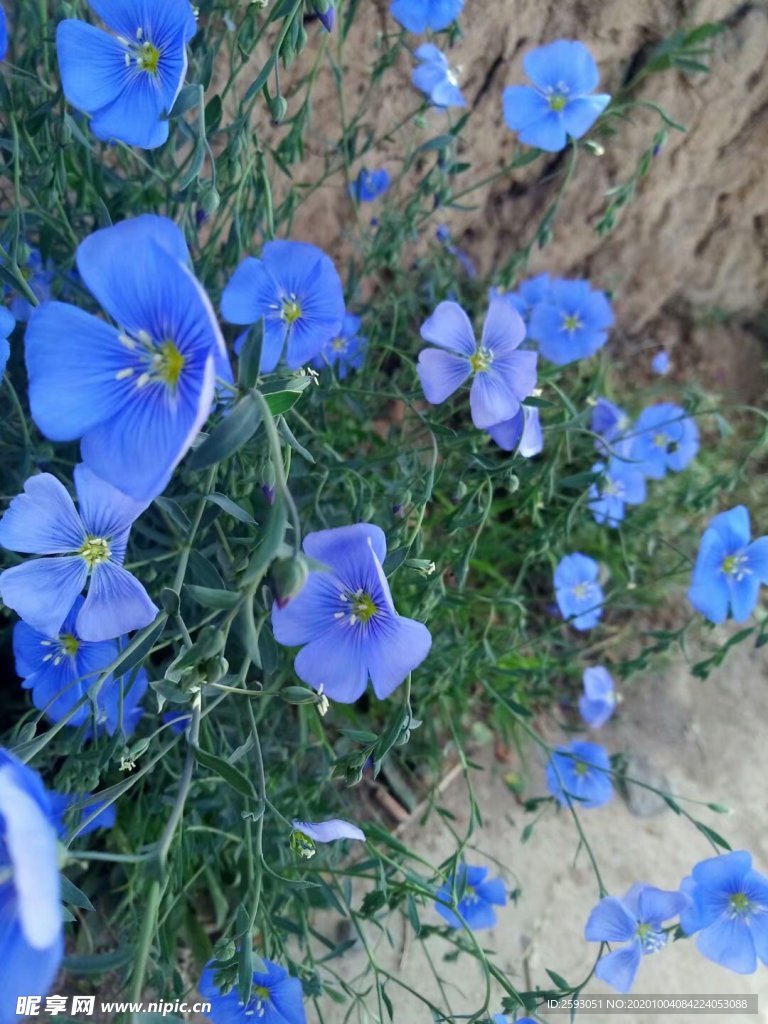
[[288, 577]]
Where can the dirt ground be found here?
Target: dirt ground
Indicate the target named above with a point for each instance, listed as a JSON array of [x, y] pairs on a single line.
[[707, 740]]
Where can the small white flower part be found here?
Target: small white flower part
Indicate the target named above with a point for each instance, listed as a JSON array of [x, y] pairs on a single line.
[[323, 703]]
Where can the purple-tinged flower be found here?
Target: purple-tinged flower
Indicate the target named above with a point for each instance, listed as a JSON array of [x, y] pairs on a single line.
[[78, 548], [325, 11], [436, 78], [346, 351], [128, 78], [622, 483], [476, 898], [521, 433], [660, 363], [294, 287], [7, 325], [307, 833], [571, 322], [89, 816], [419, 16], [347, 621], [502, 375], [598, 701], [580, 772], [637, 921], [276, 998], [729, 910], [369, 185], [31, 941], [664, 438], [578, 591], [562, 102], [60, 669], [526, 296], [136, 394], [730, 568], [610, 423]]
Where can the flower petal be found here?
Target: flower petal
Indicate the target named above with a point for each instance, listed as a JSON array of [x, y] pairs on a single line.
[[342, 547], [135, 117], [548, 134], [567, 62], [610, 921], [581, 113], [503, 329], [106, 511], [618, 969], [660, 905], [43, 590], [729, 943], [42, 520], [449, 327], [395, 653], [523, 106], [116, 603], [441, 373], [92, 65], [335, 662], [329, 831]]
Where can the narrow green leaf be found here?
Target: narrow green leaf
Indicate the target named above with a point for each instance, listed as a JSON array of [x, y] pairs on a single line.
[[228, 773], [229, 436]]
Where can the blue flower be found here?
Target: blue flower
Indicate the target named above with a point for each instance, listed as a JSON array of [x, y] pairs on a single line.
[[502, 375], [527, 295], [729, 568], [7, 325], [136, 394], [3, 35], [346, 351], [522, 432], [78, 548], [39, 276], [729, 911], [578, 591], [177, 721], [622, 483], [369, 185], [306, 833], [580, 772], [660, 363], [347, 620], [421, 15], [325, 11], [276, 998], [610, 423], [564, 75], [127, 79], [598, 702], [31, 943], [61, 668], [63, 803], [435, 77], [295, 288], [443, 235], [636, 920], [571, 322], [664, 438], [476, 898]]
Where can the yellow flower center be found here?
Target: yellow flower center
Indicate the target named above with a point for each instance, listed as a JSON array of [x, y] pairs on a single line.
[[581, 768], [69, 644], [339, 344], [95, 551], [291, 311], [480, 361], [661, 440], [148, 57], [557, 101], [740, 903], [168, 363], [363, 607], [572, 323]]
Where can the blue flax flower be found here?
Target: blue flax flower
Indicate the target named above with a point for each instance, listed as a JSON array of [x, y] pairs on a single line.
[[418, 16], [610, 423], [294, 287], [664, 438], [729, 568], [527, 295], [7, 325], [637, 921], [78, 549], [3, 35], [136, 394], [477, 898], [39, 276], [81, 821], [580, 772], [276, 998], [31, 943], [729, 911], [61, 668], [345, 351], [127, 79], [598, 702], [369, 185], [562, 101], [522, 432], [660, 363], [347, 620], [177, 721], [307, 833], [571, 322], [578, 591], [436, 78], [622, 483], [502, 375], [325, 11]]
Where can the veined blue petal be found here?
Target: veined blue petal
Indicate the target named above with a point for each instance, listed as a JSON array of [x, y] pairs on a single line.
[[155, 19], [342, 547], [135, 117], [743, 596], [308, 615], [733, 529], [619, 968], [336, 662], [449, 327], [507, 434], [580, 114], [725, 872], [610, 921], [397, 652], [441, 373], [329, 831], [711, 598], [92, 65], [412, 16], [523, 106], [106, 511], [287, 996], [503, 329], [565, 62], [73, 361], [43, 590], [548, 134], [659, 905], [728, 941], [42, 519], [116, 603], [491, 399], [249, 293]]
